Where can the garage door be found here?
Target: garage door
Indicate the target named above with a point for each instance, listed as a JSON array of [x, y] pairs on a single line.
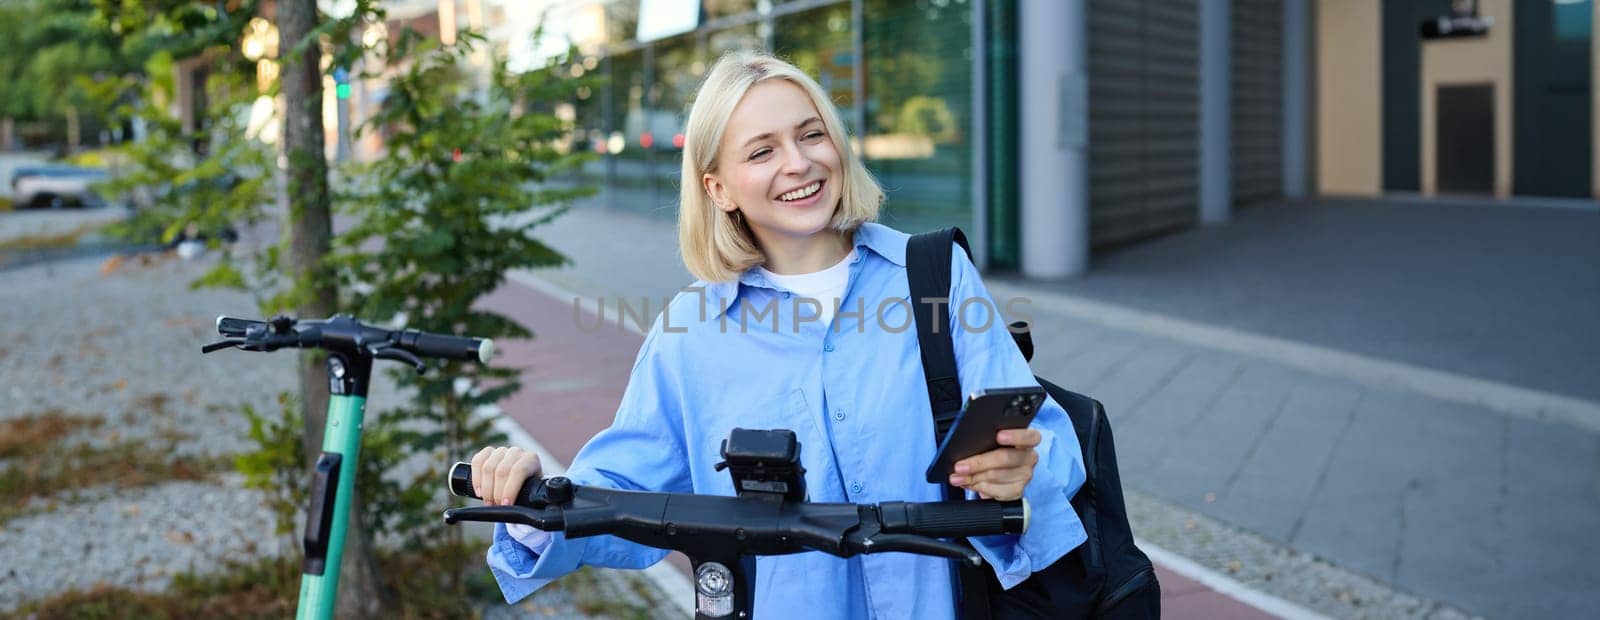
[[1143, 118], [1257, 101]]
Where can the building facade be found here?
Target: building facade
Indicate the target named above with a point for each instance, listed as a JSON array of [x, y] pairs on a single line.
[[931, 89], [1505, 112], [1050, 128]]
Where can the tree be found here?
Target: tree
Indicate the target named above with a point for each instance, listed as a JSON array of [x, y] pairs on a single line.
[[52, 54], [439, 221], [310, 230], [225, 182], [436, 224]]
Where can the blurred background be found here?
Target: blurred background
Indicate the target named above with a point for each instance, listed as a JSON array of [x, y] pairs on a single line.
[[1333, 266]]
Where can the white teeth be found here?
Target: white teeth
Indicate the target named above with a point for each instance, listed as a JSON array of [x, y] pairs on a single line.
[[802, 192]]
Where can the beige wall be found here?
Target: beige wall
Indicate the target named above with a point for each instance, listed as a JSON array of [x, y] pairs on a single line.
[[1349, 97], [1475, 60]]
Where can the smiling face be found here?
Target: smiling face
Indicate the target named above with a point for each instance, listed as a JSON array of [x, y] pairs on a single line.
[[778, 167]]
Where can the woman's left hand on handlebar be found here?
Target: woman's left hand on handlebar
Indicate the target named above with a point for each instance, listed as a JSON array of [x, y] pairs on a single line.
[[498, 473], [1001, 473]]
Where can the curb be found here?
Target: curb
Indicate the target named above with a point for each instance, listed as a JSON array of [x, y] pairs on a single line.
[[1225, 585]]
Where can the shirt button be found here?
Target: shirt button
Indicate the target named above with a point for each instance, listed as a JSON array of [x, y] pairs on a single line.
[[827, 346], [786, 294], [838, 414], [855, 488]]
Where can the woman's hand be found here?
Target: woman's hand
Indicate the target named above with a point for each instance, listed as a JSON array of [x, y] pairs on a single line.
[[1001, 473], [497, 473]]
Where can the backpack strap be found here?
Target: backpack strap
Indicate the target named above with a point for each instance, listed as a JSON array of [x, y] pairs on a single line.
[[928, 259]]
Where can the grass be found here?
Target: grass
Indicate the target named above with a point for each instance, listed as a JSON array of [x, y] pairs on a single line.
[[248, 590], [269, 588], [27, 434], [50, 241], [38, 459]]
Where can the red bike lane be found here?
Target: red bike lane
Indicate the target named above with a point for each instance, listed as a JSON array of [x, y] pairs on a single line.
[[573, 375]]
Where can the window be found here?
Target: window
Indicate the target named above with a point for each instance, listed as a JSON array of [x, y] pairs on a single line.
[[676, 78], [919, 110], [820, 43], [1573, 20]]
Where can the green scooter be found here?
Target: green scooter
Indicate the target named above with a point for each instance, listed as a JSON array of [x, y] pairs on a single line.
[[352, 346]]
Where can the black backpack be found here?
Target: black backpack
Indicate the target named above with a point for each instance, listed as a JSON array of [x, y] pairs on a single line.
[[1107, 576]]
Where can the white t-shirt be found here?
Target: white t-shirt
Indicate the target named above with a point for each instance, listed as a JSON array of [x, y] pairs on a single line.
[[826, 287]]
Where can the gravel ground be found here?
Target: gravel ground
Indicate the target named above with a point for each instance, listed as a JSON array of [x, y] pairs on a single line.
[[1271, 568], [123, 344]]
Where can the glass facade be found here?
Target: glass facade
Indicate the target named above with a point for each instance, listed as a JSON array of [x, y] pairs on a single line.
[[899, 72], [820, 42], [918, 65]]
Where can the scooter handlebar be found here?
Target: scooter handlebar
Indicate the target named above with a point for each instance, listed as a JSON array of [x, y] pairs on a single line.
[[940, 519], [535, 493]]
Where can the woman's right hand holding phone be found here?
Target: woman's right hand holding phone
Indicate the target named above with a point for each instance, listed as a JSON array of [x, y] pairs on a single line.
[[1004, 472], [498, 473]]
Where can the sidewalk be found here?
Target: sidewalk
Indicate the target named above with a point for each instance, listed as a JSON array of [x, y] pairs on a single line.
[[1250, 373]]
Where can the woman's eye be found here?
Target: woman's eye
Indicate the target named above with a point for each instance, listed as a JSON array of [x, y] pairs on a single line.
[[759, 154], [812, 135]]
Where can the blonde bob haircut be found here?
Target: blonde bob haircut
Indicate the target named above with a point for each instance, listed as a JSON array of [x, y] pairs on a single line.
[[716, 245]]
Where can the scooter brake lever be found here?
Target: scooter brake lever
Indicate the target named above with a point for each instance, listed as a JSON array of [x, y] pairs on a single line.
[[549, 519], [400, 355], [224, 344]]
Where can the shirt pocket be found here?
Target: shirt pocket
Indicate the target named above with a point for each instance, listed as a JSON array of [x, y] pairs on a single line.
[[754, 410]]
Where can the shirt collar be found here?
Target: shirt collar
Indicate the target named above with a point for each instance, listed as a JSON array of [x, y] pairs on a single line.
[[881, 240]]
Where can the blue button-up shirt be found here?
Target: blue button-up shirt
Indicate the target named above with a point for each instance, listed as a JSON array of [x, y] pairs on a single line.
[[743, 354]]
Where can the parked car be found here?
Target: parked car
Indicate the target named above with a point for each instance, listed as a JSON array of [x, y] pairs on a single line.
[[56, 186]]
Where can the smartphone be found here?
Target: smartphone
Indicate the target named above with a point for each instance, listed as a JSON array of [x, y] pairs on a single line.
[[983, 416]]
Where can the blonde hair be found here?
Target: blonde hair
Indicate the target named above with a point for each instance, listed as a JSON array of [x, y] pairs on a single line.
[[716, 245]]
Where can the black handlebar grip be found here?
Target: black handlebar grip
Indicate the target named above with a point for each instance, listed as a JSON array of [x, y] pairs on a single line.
[[461, 481], [949, 519], [535, 493], [448, 347], [235, 327]]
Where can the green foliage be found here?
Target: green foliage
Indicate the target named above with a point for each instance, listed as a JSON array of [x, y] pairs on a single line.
[[185, 182], [50, 50], [201, 184], [266, 587], [432, 227], [277, 465], [437, 223], [85, 58], [928, 116]]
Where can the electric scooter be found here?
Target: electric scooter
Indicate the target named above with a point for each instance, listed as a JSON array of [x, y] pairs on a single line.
[[769, 516], [352, 346]]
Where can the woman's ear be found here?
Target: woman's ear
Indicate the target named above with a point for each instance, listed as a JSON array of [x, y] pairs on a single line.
[[718, 192]]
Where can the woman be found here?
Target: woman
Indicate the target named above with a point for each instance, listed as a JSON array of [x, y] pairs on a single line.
[[800, 321]]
